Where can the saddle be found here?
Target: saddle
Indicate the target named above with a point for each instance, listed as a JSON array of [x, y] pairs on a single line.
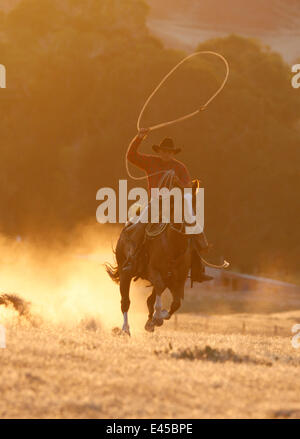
[[153, 230]]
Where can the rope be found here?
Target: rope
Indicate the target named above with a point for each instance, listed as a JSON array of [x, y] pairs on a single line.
[[165, 181], [180, 119], [153, 233], [208, 264], [194, 113]]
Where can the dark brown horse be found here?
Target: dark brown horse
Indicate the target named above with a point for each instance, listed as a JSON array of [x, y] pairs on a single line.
[[165, 260], [168, 262]]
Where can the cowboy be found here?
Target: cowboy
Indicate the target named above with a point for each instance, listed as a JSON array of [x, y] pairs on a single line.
[[155, 166]]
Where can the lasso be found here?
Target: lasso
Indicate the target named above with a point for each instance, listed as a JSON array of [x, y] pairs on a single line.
[[182, 118]]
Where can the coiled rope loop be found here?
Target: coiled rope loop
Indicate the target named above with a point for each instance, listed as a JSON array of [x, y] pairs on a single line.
[[194, 113], [182, 118]]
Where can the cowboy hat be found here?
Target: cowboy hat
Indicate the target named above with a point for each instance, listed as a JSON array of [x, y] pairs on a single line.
[[166, 145]]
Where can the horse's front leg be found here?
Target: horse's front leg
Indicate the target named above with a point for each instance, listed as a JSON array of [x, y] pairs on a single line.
[[150, 303], [160, 314], [125, 280], [175, 305], [154, 301], [177, 294]]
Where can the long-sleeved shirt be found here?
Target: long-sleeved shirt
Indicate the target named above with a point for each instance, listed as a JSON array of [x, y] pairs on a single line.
[[153, 164]]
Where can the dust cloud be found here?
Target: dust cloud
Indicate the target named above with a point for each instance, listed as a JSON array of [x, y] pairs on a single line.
[[66, 283]]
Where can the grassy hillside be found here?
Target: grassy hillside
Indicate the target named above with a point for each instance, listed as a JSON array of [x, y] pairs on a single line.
[[267, 15]]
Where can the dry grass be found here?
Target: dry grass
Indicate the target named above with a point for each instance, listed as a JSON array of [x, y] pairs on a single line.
[[84, 371], [63, 361]]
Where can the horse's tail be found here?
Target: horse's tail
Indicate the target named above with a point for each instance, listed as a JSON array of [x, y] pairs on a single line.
[[113, 272], [208, 264]]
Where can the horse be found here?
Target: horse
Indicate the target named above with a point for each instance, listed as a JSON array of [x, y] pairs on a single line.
[[168, 254], [166, 257], [168, 265]]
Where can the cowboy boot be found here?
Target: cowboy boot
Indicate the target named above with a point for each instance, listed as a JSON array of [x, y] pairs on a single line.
[[200, 245]]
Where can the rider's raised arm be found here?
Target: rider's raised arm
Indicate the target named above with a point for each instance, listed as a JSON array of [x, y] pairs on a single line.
[[142, 161]]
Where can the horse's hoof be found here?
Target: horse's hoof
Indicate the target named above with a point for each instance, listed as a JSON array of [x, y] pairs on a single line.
[[126, 331], [157, 321], [149, 326], [164, 314], [118, 332]]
